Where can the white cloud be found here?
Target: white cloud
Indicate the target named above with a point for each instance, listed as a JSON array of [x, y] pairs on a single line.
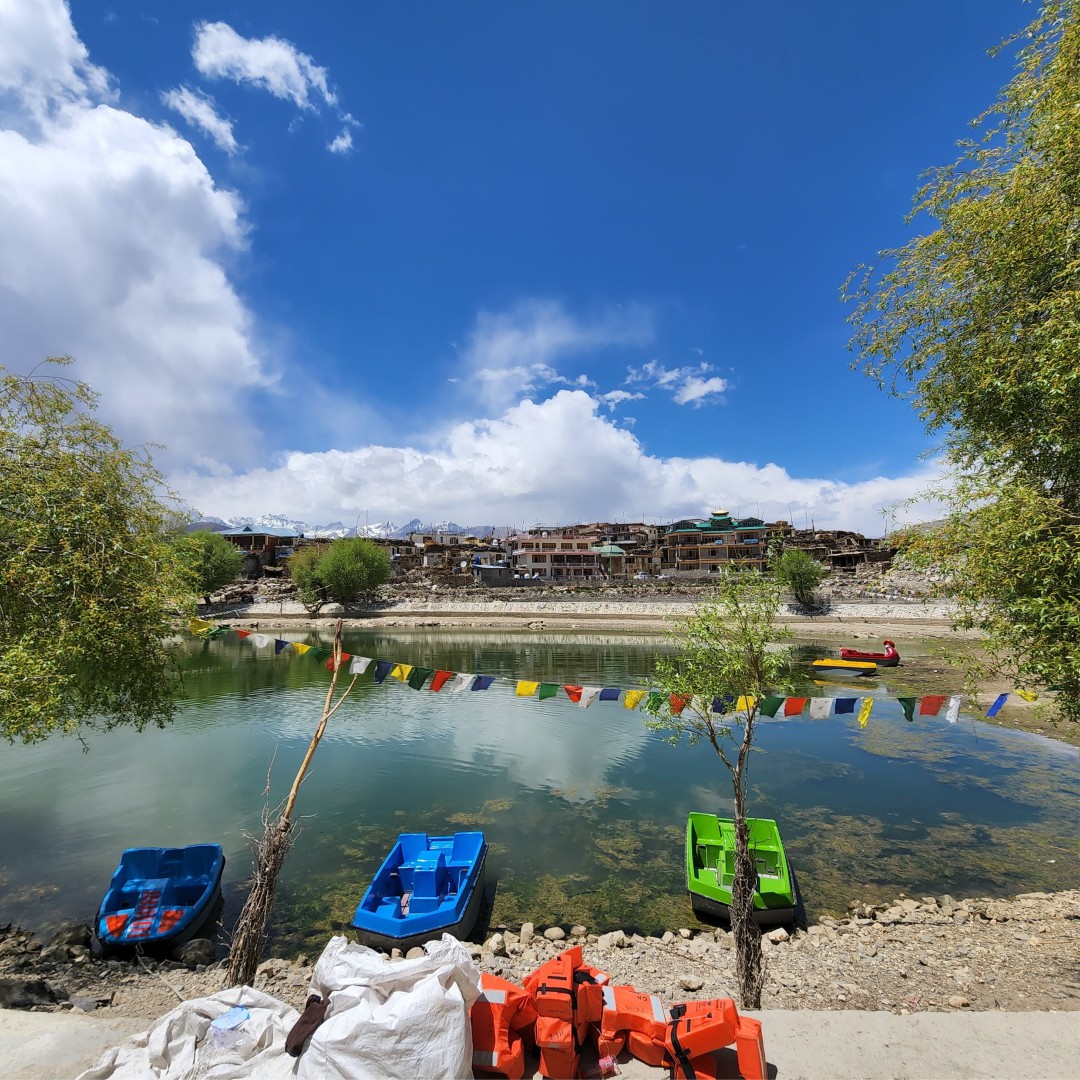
[[511, 354], [198, 110], [342, 144], [557, 460], [43, 64], [113, 241], [614, 398], [687, 385], [269, 63]]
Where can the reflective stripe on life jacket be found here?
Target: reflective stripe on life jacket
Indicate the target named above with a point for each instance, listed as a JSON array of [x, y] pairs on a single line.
[[497, 1017]]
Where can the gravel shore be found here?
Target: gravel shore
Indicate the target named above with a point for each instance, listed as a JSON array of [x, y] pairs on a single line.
[[914, 955]]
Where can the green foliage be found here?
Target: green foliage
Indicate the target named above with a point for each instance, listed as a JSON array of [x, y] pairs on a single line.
[[212, 560], [304, 570], [975, 320], [800, 573], [89, 584], [730, 647], [341, 572]]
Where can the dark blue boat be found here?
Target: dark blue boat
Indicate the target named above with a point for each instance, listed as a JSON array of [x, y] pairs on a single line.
[[160, 896], [426, 887]]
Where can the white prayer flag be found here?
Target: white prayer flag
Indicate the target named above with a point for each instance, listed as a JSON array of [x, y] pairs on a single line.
[[359, 664], [820, 708], [462, 681], [260, 641], [954, 710], [588, 695]]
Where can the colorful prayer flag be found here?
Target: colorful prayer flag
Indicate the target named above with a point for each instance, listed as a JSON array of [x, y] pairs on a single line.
[[382, 669], [526, 689], [633, 698], [820, 707], [482, 682], [401, 672], [908, 705], [418, 677], [793, 706], [930, 705], [770, 703], [996, 707], [588, 695], [953, 712], [548, 690], [610, 693], [279, 644], [844, 705], [359, 664], [864, 712], [440, 680], [573, 693], [299, 646]]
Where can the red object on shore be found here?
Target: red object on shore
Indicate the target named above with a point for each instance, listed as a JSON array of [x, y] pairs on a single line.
[[889, 658]]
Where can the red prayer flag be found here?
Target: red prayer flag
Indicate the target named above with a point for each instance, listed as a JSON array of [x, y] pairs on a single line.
[[793, 706], [439, 681], [573, 692], [678, 703], [931, 704], [243, 633]]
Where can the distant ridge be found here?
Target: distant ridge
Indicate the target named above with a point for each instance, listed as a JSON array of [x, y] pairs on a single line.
[[383, 530]]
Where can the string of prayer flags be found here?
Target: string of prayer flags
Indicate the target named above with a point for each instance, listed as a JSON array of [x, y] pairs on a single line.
[[864, 712], [996, 707]]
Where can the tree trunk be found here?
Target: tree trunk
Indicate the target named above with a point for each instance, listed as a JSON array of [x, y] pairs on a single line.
[[746, 932]]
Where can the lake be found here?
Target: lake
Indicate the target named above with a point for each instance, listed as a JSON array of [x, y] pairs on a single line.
[[584, 809]]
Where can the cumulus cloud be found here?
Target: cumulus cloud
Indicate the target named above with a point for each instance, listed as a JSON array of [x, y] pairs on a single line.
[[198, 109], [268, 63], [113, 238], [43, 64], [513, 353], [687, 385], [556, 460]]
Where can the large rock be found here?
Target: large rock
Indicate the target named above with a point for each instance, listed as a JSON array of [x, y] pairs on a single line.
[[24, 993]]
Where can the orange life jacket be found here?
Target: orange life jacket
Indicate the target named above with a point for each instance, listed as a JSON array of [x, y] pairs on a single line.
[[569, 997], [749, 1050], [498, 1016], [698, 1028], [627, 1010]]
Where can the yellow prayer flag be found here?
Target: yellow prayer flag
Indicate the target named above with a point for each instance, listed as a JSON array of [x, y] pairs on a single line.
[[402, 672], [300, 648], [632, 698], [864, 712], [199, 626], [745, 703], [526, 689], [1028, 695]]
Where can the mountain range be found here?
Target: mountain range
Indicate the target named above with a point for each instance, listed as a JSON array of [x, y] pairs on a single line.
[[384, 530]]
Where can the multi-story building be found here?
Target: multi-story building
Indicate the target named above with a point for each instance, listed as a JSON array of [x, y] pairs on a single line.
[[718, 542]]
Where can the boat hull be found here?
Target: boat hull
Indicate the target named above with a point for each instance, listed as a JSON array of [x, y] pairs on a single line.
[[845, 667], [458, 923], [710, 843]]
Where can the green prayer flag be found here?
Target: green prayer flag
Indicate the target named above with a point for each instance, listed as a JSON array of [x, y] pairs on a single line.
[[908, 705], [321, 654], [548, 689], [770, 704], [420, 676], [654, 700]]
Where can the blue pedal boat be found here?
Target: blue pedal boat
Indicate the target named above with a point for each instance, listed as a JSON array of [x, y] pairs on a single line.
[[160, 896], [426, 887]]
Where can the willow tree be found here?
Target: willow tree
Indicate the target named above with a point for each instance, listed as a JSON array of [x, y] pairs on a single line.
[[730, 655], [89, 584], [976, 321]]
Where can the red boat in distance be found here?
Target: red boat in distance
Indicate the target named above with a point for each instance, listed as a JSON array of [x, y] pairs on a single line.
[[889, 658]]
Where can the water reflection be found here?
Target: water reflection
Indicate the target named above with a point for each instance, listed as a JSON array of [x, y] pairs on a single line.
[[584, 808]]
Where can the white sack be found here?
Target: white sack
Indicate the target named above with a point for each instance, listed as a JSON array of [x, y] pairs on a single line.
[[392, 1019], [178, 1046]]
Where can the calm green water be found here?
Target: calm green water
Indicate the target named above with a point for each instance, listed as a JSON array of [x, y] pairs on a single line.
[[584, 809]]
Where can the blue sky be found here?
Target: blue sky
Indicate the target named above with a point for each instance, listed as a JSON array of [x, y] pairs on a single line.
[[489, 262]]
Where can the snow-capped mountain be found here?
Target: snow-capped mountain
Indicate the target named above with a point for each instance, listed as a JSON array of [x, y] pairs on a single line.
[[384, 530]]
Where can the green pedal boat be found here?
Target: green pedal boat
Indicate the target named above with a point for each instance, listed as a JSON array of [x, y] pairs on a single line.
[[710, 870]]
